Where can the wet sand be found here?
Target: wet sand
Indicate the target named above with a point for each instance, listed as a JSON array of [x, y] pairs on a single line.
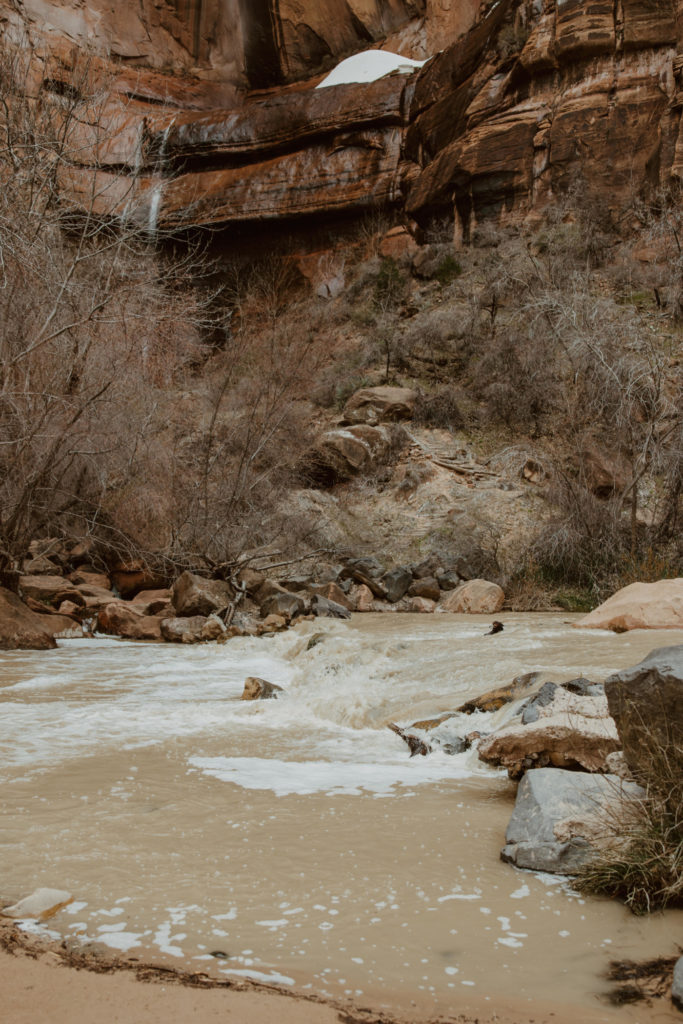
[[40, 981]]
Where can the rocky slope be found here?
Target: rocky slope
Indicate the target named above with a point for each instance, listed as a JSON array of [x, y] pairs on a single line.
[[524, 100]]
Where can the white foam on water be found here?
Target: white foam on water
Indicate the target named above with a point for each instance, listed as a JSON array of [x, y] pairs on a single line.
[[285, 778], [270, 979]]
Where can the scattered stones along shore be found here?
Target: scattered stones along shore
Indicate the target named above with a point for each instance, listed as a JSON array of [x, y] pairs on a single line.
[[69, 592]]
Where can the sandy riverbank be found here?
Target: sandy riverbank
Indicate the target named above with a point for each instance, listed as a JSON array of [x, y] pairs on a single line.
[[40, 981]]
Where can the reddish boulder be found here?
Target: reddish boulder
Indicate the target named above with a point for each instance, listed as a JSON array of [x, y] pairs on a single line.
[[20, 628], [194, 595], [121, 619], [380, 405]]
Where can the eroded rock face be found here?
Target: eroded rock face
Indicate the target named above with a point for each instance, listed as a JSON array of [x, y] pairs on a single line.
[[512, 110], [507, 115]]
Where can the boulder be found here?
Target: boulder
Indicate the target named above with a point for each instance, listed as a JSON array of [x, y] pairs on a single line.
[[448, 579], [260, 689], [332, 592], [63, 627], [72, 610], [194, 629], [48, 547], [120, 618], [677, 984], [368, 572], [283, 602], [559, 817], [50, 590], [426, 587], [416, 605], [41, 566], [569, 732], [130, 578], [362, 598], [154, 602], [193, 595], [96, 598], [380, 405], [476, 597], [396, 583], [20, 628], [271, 624], [341, 454], [321, 606], [646, 702], [492, 700], [39, 906], [90, 578], [639, 606]]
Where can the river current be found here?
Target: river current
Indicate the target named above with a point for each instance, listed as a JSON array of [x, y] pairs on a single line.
[[295, 840]]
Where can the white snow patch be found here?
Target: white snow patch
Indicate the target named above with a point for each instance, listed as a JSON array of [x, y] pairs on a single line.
[[370, 66]]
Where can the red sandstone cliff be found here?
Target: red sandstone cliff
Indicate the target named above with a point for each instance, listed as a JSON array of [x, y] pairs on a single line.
[[519, 104]]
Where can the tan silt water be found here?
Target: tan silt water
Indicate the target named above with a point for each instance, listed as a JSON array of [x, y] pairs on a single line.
[[296, 841]]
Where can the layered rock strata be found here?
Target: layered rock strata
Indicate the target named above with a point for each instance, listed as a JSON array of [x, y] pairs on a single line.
[[529, 101]]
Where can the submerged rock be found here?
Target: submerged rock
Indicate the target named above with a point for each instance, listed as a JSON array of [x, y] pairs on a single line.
[[260, 689], [492, 700], [39, 906], [193, 630], [559, 818], [415, 743]]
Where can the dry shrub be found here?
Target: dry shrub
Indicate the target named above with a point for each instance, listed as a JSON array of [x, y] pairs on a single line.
[[641, 860], [440, 409]]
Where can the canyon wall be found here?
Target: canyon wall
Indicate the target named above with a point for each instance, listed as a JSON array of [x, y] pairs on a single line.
[[215, 118]]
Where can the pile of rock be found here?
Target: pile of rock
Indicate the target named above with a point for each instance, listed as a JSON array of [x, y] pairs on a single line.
[[73, 591], [432, 585]]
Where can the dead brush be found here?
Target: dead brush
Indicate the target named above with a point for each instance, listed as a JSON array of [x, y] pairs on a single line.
[[640, 860]]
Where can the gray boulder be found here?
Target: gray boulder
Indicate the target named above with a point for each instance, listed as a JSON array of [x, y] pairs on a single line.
[[677, 986], [396, 583], [559, 817], [324, 607], [283, 602], [193, 595], [646, 702]]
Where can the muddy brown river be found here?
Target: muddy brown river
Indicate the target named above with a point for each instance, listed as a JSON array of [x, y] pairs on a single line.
[[295, 841]]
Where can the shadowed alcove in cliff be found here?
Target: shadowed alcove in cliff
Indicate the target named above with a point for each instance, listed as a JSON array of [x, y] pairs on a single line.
[[260, 21]]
